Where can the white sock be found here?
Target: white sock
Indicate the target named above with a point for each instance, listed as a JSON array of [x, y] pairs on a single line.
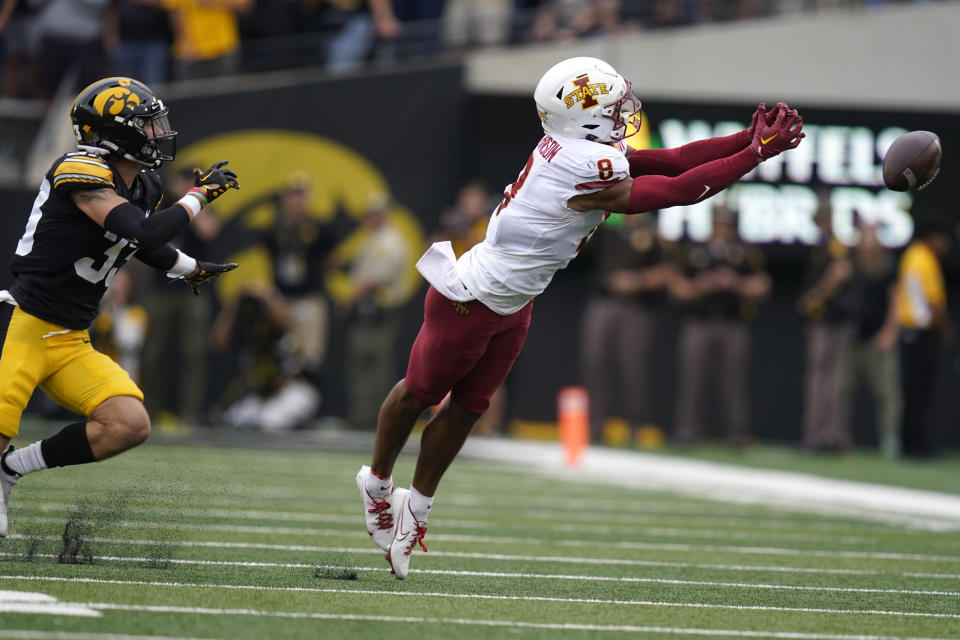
[[26, 460], [379, 488], [420, 504]]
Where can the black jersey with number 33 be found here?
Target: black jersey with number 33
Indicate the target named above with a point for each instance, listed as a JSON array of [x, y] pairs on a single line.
[[65, 261]]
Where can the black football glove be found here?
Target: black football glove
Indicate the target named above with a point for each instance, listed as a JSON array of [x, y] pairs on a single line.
[[224, 179], [207, 271]]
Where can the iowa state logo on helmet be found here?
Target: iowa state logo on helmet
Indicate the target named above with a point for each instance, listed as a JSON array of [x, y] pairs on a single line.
[[115, 100], [584, 93]]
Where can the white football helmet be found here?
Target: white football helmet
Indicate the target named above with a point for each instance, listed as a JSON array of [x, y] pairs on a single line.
[[586, 98]]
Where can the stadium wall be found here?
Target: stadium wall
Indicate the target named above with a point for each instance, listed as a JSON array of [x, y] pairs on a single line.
[[418, 135], [890, 56]]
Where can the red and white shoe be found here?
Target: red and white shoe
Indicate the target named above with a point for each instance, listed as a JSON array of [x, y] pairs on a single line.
[[377, 511], [407, 534]]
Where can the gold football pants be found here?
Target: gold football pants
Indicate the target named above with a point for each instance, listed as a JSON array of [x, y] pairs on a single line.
[[62, 362]]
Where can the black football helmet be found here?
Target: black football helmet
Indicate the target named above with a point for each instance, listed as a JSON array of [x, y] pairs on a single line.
[[123, 116]]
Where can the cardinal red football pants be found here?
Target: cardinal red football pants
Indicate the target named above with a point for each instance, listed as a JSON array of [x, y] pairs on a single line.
[[464, 348]]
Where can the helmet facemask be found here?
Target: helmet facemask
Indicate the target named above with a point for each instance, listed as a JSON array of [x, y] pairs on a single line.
[[122, 116], [623, 112], [159, 139]]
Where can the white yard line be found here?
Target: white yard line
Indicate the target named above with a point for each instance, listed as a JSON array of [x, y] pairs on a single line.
[[25, 634], [669, 519], [358, 532], [546, 559], [777, 551], [475, 596], [729, 483], [527, 575]]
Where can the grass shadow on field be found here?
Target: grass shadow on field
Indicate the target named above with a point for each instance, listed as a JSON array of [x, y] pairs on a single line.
[[81, 537], [335, 567]]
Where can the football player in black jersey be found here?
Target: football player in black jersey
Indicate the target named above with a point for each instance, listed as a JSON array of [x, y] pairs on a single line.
[[97, 207]]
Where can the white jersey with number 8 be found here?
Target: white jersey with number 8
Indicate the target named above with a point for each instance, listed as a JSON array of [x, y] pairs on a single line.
[[532, 233]]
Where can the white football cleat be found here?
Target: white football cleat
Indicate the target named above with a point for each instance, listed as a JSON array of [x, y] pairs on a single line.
[[407, 534], [7, 480], [377, 512]]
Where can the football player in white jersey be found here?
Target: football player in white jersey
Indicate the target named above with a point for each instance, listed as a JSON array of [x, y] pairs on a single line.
[[477, 309]]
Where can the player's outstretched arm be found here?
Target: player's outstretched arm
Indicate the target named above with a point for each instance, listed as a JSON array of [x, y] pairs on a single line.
[[118, 215], [180, 266], [650, 192], [206, 272], [673, 162]]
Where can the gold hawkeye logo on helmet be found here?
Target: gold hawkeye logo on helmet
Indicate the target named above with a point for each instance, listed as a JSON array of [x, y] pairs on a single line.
[[114, 101]]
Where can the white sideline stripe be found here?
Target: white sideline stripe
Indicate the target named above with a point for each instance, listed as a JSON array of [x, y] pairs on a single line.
[[871, 555], [41, 603], [534, 576], [357, 532], [51, 609], [481, 596], [552, 560], [726, 483]]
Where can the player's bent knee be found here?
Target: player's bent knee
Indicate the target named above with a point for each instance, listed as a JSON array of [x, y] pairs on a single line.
[[126, 418], [414, 400]]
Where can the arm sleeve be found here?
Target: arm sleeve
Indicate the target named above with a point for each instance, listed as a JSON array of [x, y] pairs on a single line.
[[127, 221], [673, 162], [657, 191], [162, 257]]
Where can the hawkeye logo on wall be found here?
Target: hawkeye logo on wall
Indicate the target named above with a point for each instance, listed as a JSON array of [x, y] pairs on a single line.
[[338, 183], [584, 93], [114, 100]]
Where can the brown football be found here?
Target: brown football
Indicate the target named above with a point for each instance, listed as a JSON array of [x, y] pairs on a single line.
[[912, 161]]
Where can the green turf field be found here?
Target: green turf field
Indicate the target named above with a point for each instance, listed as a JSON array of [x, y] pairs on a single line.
[[202, 542]]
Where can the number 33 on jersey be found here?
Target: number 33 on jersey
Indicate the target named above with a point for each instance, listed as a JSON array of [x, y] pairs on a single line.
[[63, 262]]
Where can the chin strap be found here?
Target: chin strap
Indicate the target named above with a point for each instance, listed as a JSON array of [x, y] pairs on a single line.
[[97, 151]]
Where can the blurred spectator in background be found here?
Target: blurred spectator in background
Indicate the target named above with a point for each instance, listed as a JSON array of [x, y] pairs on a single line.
[[669, 13], [206, 37], [300, 248], [464, 225], [175, 349], [872, 351], [823, 304], [631, 272], [471, 23], [267, 390], [70, 35], [121, 325], [137, 35], [358, 24], [559, 20], [377, 272], [720, 285], [18, 47], [565, 20], [925, 328], [419, 33]]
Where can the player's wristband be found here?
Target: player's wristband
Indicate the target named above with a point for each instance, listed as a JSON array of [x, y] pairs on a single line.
[[194, 201], [184, 266]]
